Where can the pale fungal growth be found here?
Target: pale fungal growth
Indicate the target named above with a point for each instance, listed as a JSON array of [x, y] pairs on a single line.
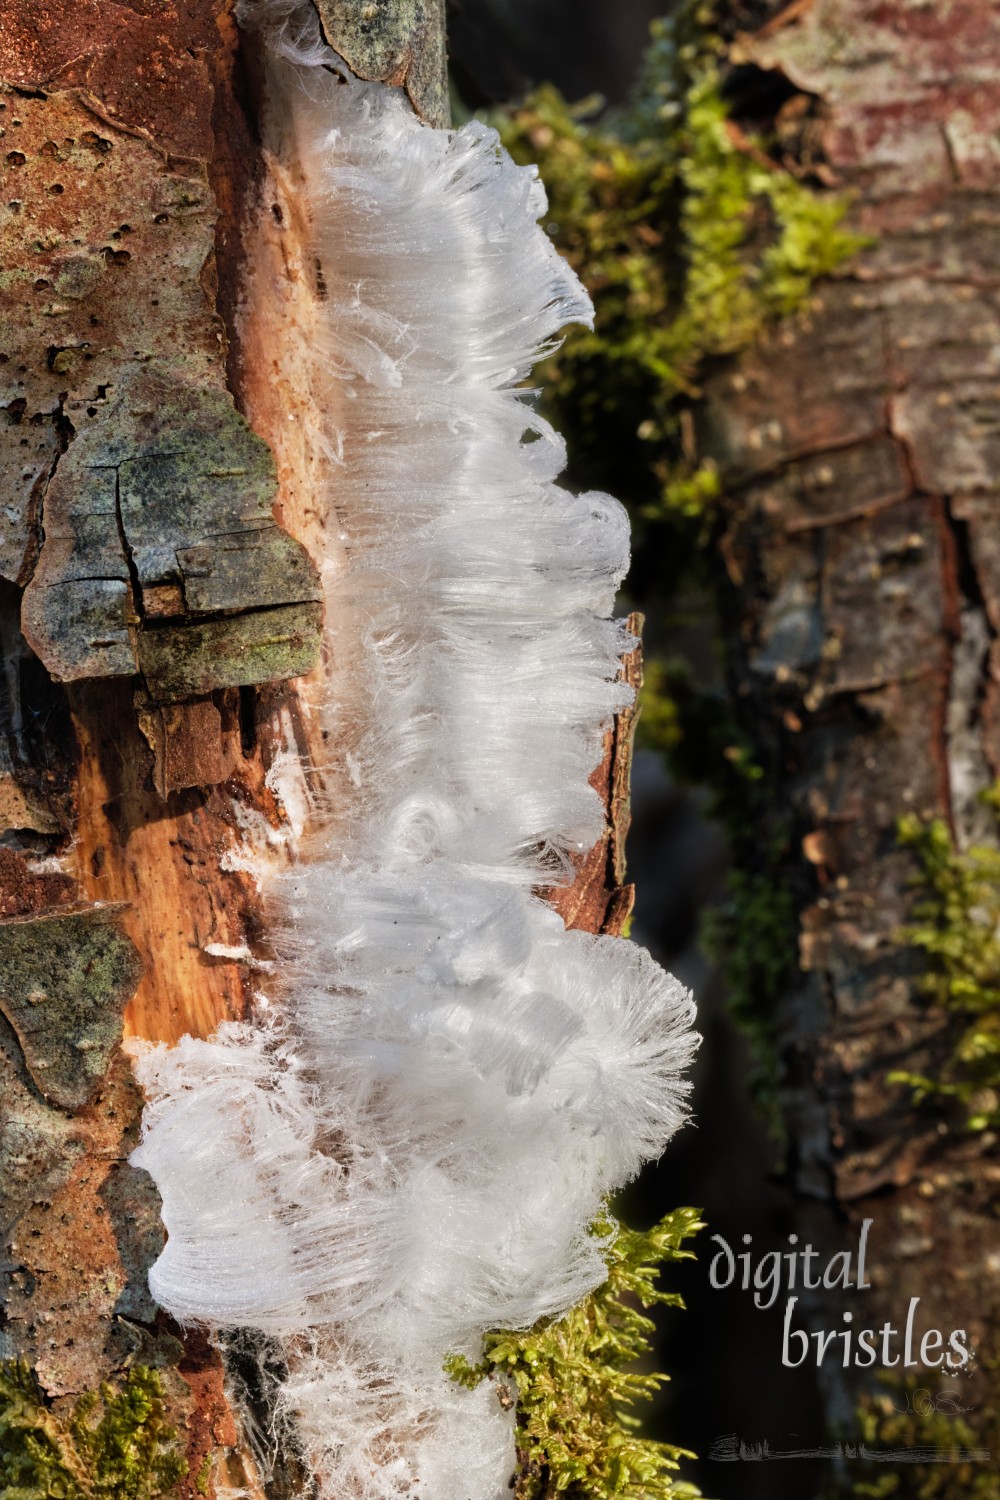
[[413, 1151]]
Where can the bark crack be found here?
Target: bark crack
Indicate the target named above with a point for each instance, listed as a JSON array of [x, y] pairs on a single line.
[[968, 769], [35, 515], [135, 583]]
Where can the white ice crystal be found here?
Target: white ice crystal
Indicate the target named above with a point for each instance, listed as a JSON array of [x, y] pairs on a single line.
[[413, 1151]]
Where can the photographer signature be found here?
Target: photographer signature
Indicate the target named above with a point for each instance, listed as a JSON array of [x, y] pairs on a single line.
[[924, 1403]]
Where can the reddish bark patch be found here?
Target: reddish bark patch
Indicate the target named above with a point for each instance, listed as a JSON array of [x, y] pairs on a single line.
[[147, 63], [598, 899], [24, 892]]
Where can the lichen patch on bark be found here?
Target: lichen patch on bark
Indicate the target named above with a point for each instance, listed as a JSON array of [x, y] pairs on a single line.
[[65, 979], [161, 555], [399, 42]]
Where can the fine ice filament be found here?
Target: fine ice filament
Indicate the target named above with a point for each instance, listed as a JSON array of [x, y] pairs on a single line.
[[412, 1152]]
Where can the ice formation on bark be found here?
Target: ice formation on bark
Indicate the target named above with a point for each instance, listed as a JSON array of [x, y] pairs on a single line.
[[412, 1152]]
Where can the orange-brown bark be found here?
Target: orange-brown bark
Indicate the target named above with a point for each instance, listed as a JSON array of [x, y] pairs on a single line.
[[134, 113], [173, 244]]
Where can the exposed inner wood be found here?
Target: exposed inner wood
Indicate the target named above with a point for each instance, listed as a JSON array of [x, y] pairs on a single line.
[[168, 809]]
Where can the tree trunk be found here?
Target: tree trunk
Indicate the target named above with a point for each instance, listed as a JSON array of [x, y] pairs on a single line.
[[157, 465], [858, 449], [150, 599]]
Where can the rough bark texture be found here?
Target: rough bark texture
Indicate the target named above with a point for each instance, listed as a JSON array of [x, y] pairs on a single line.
[[598, 899], [859, 449], [138, 522], [158, 483]]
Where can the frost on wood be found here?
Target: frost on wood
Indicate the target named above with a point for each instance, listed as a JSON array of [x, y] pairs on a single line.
[[416, 1147]]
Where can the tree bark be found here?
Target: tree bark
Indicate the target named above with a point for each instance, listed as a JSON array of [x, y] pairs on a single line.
[[858, 450], [158, 598], [155, 756]]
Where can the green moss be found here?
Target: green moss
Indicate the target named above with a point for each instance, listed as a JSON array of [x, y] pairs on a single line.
[[751, 934], [204, 1475], [687, 491], [957, 927], [908, 1415], [576, 1378], [114, 1445], [690, 241]]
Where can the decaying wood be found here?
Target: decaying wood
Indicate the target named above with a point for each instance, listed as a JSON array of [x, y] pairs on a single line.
[[126, 466], [160, 479], [860, 450], [598, 899], [139, 522]]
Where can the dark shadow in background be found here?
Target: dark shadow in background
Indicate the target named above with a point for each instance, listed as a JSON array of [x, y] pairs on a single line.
[[724, 1354], [504, 47]]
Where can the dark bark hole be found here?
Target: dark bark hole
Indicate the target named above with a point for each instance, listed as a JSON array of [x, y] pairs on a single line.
[[757, 94], [34, 713], [787, 120], [248, 720], [256, 1370], [968, 578], [749, 15], [48, 732]]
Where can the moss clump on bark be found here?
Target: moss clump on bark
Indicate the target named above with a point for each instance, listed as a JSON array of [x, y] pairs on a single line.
[[689, 238], [113, 1445], [957, 927], [575, 1378]]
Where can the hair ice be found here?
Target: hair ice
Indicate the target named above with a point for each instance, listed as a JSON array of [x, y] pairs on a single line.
[[413, 1152]]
